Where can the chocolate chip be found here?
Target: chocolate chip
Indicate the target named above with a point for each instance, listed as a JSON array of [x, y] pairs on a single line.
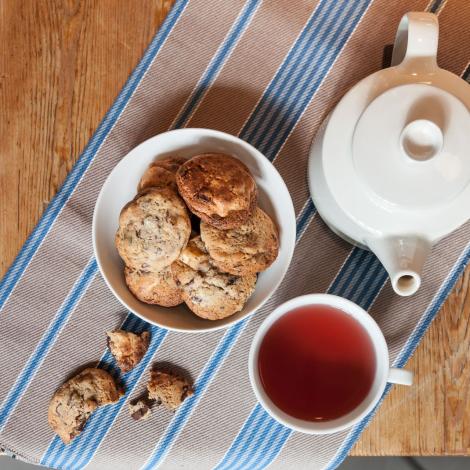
[[187, 392], [202, 197], [137, 415], [81, 425]]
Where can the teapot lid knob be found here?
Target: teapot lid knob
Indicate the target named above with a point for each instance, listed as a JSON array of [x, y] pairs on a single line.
[[421, 140]]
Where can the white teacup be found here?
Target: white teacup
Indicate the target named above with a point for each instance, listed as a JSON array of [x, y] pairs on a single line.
[[383, 372]]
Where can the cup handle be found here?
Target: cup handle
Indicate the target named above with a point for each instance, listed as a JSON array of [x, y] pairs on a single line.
[[400, 376]]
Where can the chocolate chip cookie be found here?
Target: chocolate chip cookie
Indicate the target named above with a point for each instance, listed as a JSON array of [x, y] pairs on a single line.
[[250, 248], [157, 177], [128, 348], [161, 173], [207, 291], [218, 188], [153, 229], [154, 288], [170, 163], [74, 402]]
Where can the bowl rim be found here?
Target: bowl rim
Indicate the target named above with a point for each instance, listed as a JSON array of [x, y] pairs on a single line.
[[288, 227]]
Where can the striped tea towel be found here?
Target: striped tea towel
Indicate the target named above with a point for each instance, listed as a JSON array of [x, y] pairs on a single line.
[[268, 71]]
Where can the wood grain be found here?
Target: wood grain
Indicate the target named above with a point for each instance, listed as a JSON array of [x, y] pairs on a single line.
[[433, 416], [62, 63]]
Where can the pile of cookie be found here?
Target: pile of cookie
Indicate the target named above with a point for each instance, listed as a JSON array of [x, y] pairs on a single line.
[[75, 400], [195, 234]]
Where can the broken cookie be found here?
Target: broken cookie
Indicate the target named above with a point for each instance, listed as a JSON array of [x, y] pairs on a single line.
[[74, 402], [169, 389], [128, 348]]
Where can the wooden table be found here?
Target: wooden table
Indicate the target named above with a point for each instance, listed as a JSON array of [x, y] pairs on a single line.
[[62, 64]]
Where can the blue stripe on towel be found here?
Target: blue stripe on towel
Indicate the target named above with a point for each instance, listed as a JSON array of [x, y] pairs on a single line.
[[46, 342], [406, 352], [79, 452], [336, 41], [52, 211], [184, 412], [217, 62], [58, 455]]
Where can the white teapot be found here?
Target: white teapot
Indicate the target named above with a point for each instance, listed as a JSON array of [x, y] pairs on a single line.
[[389, 169]]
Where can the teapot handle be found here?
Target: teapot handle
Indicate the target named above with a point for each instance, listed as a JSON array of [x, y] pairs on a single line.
[[416, 42]]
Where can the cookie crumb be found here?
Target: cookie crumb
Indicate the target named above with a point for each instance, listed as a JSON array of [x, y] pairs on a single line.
[[140, 409], [128, 348], [168, 388]]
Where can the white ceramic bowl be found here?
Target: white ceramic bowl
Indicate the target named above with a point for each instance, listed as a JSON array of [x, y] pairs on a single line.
[[120, 187]]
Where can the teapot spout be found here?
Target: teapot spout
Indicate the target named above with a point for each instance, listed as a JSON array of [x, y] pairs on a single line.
[[403, 258]]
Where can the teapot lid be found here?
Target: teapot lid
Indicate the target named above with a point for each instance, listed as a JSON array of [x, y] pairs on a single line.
[[410, 146], [395, 154]]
